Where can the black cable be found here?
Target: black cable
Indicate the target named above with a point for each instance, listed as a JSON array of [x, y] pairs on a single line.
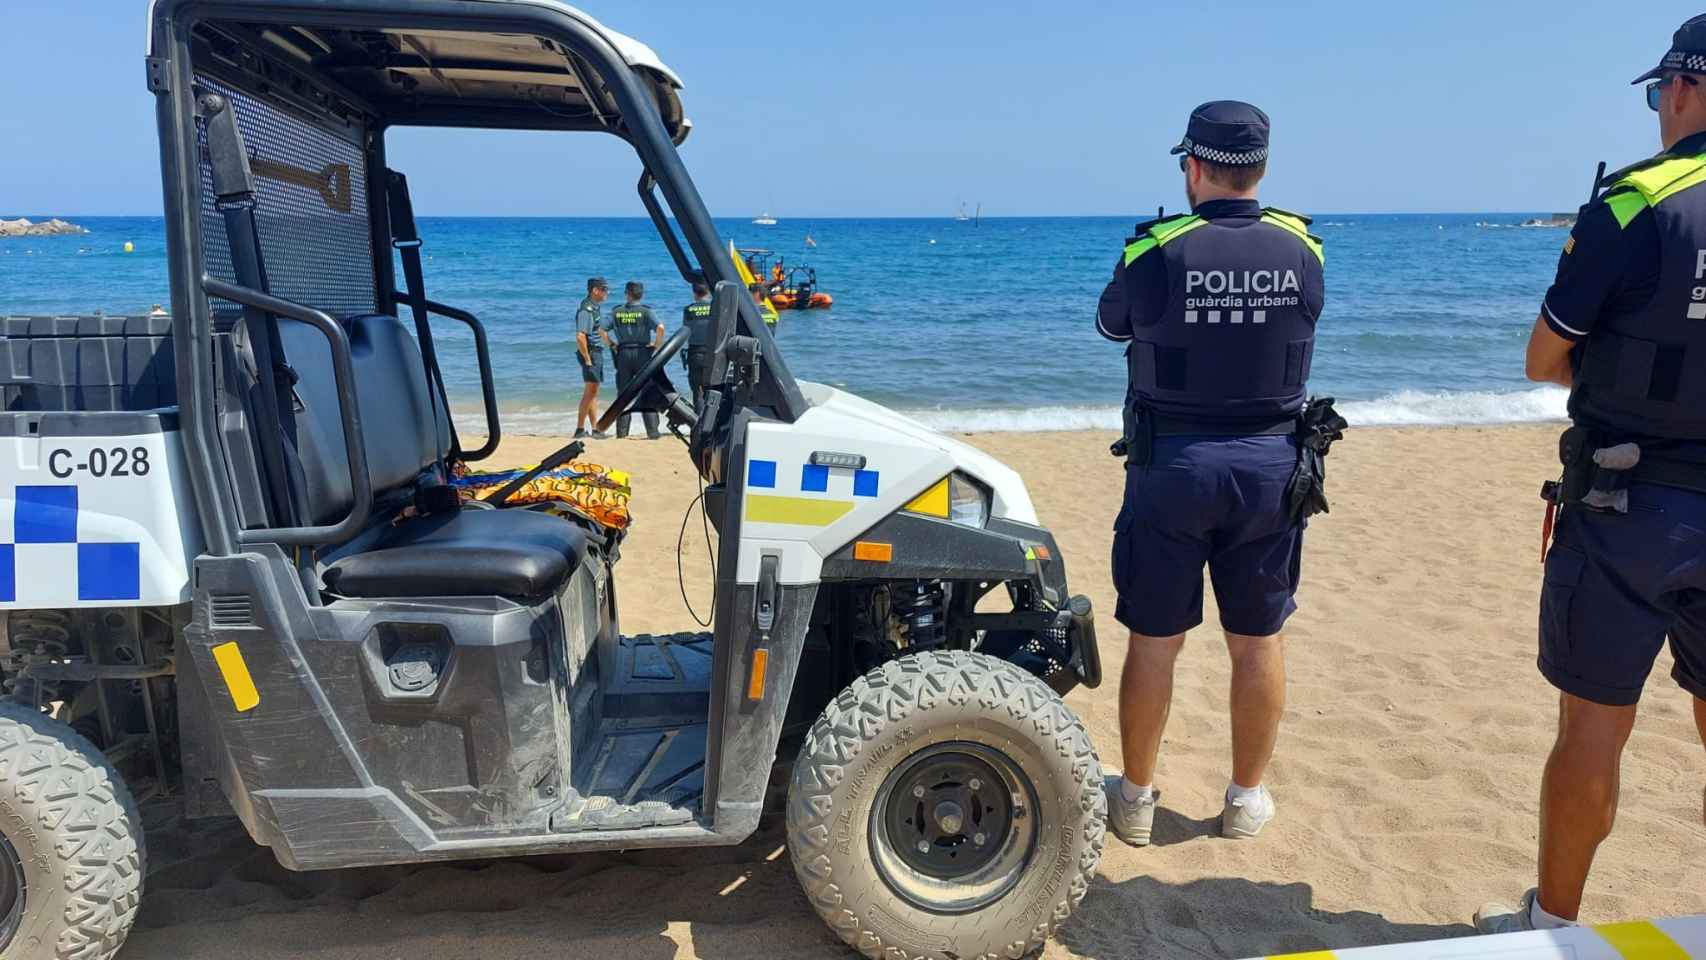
[[680, 571]]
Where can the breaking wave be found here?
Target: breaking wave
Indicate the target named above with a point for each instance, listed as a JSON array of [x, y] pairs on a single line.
[[1404, 408]]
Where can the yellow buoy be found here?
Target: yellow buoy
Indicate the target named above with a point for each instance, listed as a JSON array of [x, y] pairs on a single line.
[[129, 247]]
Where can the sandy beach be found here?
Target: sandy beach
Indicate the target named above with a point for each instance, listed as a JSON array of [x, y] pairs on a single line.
[[1407, 773]]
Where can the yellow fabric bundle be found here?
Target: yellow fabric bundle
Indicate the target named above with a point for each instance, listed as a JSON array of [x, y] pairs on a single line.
[[589, 488]]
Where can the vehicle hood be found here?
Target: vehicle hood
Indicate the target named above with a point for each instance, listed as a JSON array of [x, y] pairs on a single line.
[[1011, 500]]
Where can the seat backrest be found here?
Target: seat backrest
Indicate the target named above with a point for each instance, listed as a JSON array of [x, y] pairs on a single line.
[[312, 219], [398, 425]]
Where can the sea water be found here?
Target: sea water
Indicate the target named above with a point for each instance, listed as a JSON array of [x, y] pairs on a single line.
[[967, 326]]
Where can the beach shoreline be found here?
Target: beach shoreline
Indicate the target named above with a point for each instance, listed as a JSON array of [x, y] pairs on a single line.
[[1407, 773]]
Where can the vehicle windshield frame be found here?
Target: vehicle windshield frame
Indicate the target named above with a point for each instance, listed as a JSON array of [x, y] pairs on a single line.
[[636, 120]]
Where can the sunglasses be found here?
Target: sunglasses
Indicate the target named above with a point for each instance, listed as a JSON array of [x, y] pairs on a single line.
[[1184, 164], [1657, 87]]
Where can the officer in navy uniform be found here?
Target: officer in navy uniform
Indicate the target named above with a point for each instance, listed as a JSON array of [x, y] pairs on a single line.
[[696, 317], [1624, 327], [1218, 308], [637, 334]]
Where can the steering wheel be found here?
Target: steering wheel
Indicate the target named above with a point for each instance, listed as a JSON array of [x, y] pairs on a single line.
[[651, 377]]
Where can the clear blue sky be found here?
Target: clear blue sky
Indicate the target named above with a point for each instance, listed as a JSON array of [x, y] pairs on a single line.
[[889, 108]]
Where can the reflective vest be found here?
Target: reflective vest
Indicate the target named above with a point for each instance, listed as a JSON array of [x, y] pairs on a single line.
[[1643, 373], [632, 325], [1237, 336]]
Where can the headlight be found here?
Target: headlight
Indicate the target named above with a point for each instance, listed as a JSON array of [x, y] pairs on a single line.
[[955, 497]]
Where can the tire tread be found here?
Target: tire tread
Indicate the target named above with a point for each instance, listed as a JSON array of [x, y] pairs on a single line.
[[890, 694], [78, 799]]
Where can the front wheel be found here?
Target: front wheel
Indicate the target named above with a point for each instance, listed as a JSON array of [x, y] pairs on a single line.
[[70, 843], [946, 805]]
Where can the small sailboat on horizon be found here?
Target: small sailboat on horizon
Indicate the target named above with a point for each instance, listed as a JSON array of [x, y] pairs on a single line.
[[764, 220]]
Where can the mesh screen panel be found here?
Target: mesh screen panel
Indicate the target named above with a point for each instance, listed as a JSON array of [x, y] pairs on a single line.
[[311, 209]]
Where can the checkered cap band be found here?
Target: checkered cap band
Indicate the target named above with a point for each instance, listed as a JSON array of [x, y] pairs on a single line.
[[1689, 60], [1216, 155]]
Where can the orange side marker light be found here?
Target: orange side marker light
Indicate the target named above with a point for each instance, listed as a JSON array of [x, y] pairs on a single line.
[[760, 668], [874, 552]]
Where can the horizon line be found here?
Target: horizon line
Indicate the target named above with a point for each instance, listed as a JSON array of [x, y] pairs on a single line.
[[812, 218]]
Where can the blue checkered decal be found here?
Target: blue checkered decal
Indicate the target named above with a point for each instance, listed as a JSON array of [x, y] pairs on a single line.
[[761, 474], [46, 516]]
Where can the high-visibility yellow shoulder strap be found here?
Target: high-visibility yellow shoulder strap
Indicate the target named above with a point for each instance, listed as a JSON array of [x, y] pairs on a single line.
[[1658, 182], [1296, 226], [1625, 203], [1160, 234]]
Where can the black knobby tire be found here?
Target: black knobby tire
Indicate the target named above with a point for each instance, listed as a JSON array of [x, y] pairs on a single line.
[[878, 730], [70, 819]]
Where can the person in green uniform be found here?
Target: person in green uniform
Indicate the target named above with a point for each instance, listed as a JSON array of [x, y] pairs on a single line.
[[589, 349], [696, 317], [637, 334]]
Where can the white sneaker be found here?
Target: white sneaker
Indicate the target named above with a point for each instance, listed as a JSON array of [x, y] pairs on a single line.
[[1498, 918], [1243, 819], [1131, 820]]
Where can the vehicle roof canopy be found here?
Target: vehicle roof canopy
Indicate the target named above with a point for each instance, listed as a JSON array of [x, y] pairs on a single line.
[[413, 66]]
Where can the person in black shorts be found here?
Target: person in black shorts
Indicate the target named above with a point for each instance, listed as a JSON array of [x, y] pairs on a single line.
[[1624, 327], [590, 338], [1218, 308]]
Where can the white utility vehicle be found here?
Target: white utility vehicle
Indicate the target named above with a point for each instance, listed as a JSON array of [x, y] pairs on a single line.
[[232, 573]]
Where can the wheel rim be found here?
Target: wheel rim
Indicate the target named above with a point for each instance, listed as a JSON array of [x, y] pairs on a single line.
[[954, 827], [11, 892]]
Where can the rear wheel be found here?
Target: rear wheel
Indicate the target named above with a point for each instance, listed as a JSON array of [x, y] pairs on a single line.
[[946, 805], [70, 843]]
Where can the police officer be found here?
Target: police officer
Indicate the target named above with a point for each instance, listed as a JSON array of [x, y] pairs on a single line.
[[589, 350], [1624, 327], [637, 333], [1218, 308], [696, 317]]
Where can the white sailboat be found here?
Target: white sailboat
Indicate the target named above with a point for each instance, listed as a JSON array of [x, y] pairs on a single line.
[[764, 220], [961, 217]]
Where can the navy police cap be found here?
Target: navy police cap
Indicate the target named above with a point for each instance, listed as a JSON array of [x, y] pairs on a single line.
[[1226, 131], [1687, 51]]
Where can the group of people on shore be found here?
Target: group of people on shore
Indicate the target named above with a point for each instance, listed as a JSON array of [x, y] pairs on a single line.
[[632, 334], [1217, 311]]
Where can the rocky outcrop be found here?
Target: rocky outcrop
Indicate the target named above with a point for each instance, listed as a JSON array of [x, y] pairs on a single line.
[[51, 228]]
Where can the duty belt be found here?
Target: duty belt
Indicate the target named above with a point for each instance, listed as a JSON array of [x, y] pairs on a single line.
[[1599, 468], [1166, 426], [1681, 474]]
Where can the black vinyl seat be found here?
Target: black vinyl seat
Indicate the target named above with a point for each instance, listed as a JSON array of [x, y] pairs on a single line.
[[517, 554]]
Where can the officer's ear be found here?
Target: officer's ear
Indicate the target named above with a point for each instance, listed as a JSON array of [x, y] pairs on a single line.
[[1193, 170]]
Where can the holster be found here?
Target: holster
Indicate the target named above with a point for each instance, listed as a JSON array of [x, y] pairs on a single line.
[[1598, 469], [1575, 452], [1318, 426], [1137, 443]]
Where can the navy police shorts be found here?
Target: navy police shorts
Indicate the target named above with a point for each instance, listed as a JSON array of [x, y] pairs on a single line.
[[592, 372], [1617, 585], [1218, 501]]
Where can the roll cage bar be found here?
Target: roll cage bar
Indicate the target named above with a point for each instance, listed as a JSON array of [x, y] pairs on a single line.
[[627, 111]]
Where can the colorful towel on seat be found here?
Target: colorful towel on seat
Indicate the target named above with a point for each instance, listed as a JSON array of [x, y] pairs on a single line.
[[590, 489]]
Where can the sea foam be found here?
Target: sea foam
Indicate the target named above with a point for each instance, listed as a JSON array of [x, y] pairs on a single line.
[[1404, 408]]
